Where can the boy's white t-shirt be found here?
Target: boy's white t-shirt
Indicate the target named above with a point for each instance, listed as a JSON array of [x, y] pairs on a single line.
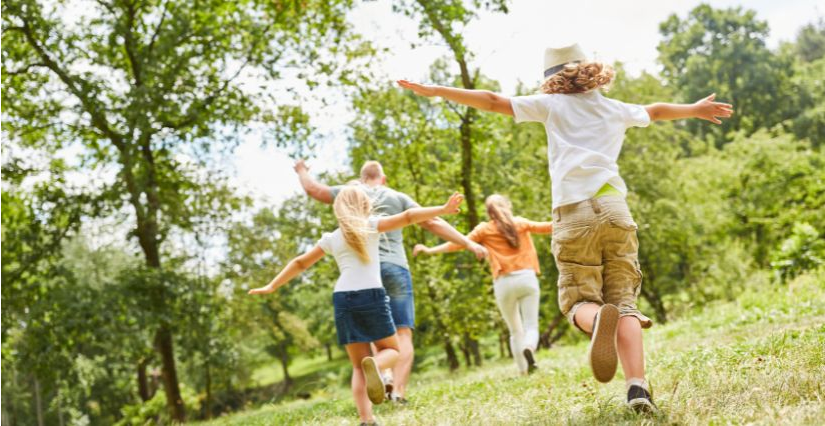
[[355, 274], [585, 132]]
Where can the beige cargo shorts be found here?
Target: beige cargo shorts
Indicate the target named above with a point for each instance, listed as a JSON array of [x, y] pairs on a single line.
[[597, 254]]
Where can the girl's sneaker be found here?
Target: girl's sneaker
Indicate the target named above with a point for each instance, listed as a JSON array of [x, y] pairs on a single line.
[[375, 383], [399, 400], [388, 386], [531, 361], [602, 351]]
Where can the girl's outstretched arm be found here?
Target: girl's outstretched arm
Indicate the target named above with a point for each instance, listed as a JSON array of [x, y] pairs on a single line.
[[706, 109], [479, 99], [294, 268], [441, 248], [419, 214], [540, 227]]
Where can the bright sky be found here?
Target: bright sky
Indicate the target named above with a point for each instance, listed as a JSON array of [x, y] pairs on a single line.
[[508, 48]]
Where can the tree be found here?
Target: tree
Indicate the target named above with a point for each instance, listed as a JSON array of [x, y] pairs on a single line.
[[140, 85], [445, 19], [810, 41], [724, 51], [257, 250]]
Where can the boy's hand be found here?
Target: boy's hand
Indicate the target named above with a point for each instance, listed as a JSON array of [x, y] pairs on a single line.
[[451, 207], [418, 249], [418, 89], [263, 290], [300, 167], [707, 109]]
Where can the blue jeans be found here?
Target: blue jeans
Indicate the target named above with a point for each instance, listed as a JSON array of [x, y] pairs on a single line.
[[398, 283]]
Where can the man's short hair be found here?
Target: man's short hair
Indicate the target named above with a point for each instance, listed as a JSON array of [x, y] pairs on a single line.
[[371, 170]]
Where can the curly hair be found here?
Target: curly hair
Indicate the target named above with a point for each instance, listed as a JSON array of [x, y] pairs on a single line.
[[579, 78]]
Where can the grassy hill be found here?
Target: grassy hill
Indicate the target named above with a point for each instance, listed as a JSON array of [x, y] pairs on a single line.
[[758, 360]]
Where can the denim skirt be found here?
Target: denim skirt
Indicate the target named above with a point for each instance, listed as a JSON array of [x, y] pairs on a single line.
[[362, 316]]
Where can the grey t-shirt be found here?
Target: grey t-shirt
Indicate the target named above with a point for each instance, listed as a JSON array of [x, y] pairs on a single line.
[[387, 202]]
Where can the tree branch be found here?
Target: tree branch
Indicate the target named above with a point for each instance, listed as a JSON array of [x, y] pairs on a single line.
[[129, 45], [26, 69], [156, 32], [98, 117]]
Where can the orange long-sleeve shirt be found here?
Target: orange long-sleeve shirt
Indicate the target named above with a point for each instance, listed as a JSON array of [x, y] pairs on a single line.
[[503, 258]]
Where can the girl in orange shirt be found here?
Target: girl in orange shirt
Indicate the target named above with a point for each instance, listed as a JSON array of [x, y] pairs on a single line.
[[514, 264]]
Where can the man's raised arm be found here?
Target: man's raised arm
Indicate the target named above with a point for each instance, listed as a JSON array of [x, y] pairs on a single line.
[[312, 187]]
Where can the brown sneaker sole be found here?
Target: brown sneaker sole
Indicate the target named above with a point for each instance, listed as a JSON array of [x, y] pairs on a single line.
[[603, 356], [375, 386]]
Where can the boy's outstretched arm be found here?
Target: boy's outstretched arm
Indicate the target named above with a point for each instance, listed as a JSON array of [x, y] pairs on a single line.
[[419, 214], [313, 188], [706, 109], [294, 268], [479, 99]]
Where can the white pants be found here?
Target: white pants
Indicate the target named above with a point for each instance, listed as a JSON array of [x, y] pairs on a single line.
[[517, 296]]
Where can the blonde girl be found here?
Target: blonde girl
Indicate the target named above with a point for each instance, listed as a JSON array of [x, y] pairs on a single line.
[[362, 312], [514, 265]]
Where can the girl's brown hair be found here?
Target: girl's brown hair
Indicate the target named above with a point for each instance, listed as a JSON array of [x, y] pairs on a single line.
[[500, 211], [352, 209], [579, 78]]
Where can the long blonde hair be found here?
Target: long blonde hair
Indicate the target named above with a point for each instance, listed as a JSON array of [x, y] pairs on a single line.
[[500, 211], [579, 78], [352, 208]]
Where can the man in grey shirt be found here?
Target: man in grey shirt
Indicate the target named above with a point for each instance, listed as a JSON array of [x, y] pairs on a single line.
[[395, 272]]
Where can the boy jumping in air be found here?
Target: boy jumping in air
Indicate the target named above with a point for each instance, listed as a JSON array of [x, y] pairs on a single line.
[[594, 238]]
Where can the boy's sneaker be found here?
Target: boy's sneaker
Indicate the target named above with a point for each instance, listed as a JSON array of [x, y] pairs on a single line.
[[531, 361], [375, 383], [640, 400], [602, 351]]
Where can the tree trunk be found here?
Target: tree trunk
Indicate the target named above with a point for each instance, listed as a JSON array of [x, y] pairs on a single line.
[[452, 357], [545, 340], [284, 358], [652, 296], [147, 230], [560, 332], [502, 339], [208, 392], [474, 350], [467, 168], [329, 352], [143, 381], [163, 343], [465, 350], [38, 403]]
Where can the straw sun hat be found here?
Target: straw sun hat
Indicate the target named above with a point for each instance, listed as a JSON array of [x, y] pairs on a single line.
[[556, 59]]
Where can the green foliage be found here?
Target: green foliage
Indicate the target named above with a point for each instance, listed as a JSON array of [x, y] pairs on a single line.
[[803, 251], [810, 41], [809, 84], [154, 410], [723, 51]]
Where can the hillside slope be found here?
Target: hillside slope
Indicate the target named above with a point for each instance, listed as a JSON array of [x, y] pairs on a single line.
[[758, 360]]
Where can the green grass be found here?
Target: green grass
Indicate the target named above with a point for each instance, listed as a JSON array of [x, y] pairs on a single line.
[[758, 360], [301, 367]]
